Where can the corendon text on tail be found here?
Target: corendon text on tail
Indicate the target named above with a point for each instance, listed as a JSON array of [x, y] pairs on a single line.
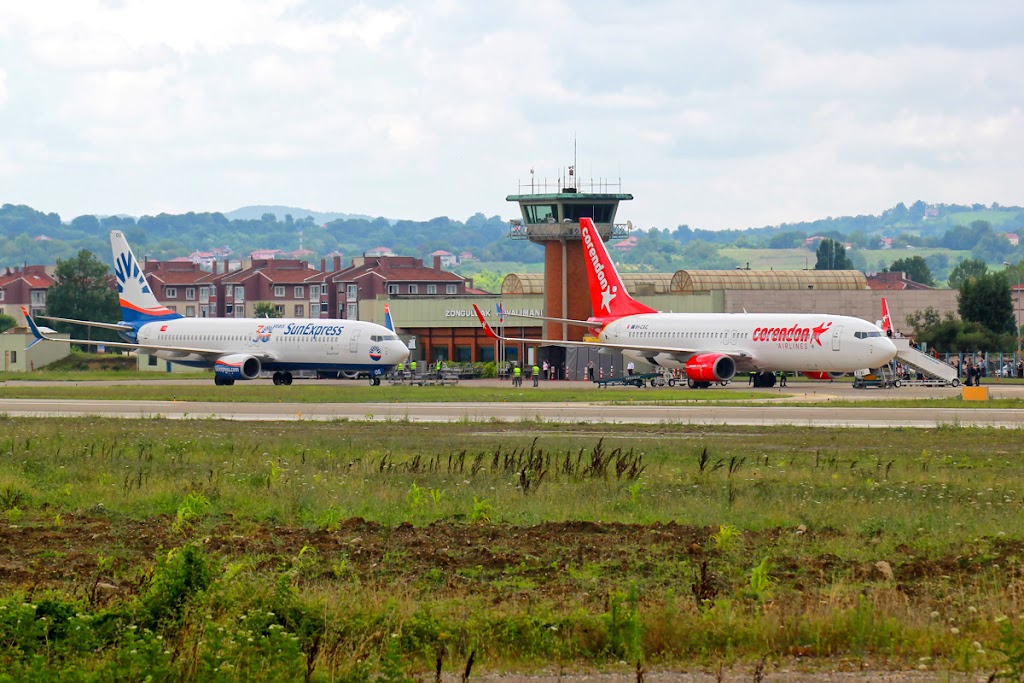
[[713, 347]]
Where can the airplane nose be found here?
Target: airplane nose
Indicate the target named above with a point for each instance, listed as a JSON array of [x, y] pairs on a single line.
[[887, 347]]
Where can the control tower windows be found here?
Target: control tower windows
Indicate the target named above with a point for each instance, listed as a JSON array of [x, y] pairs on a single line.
[[600, 213], [541, 213]]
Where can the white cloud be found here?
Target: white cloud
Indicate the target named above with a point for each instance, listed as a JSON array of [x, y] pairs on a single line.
[[723, 115]]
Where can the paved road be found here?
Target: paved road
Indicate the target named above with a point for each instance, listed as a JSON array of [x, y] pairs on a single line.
[[769, 414]]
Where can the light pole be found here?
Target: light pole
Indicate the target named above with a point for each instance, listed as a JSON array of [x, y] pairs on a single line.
[[1018, 309]]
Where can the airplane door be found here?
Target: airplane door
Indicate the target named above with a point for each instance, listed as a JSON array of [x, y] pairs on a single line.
[[353, 342], [836, 336]]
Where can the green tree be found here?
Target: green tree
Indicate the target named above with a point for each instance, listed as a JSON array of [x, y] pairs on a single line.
[[950, 334], [987, 300], [787, 240], [6, 322], [992, 247], [83, 291], [265, 309], [832, 256], [965, 270], [915, 268]]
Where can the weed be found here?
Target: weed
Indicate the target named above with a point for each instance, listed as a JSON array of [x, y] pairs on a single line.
[[1011, 647], [625, 632], [190, 511], [705, 585], [761, 584], [727, 537], [12, 497], [14, 515], [179, 575], [481, 512]]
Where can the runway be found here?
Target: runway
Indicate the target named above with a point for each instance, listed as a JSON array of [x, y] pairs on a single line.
[[759, 415]]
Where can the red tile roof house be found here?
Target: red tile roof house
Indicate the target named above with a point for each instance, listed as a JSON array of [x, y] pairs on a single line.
[[371, 277], [448, 259], [182, 286], [24, 287], [293, 287]]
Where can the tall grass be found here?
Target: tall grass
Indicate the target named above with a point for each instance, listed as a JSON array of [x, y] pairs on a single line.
[[755, 540]]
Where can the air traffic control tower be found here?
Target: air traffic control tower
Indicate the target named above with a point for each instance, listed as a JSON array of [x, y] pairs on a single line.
[[551, 217]]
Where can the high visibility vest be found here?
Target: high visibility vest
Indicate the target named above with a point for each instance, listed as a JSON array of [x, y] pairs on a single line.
[[413, 366], [536, 370], [401, 366], [518, 371]]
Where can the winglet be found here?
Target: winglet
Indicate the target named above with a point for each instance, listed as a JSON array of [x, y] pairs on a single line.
[[32, 326], [487, 328], [886, 320], [388, 322]]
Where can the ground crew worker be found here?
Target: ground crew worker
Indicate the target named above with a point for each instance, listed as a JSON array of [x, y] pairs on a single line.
[[400, 370], [412, 366], [517, 377], [536, 375]]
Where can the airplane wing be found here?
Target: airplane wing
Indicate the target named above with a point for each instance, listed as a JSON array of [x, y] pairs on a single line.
[[683, 353], [568, 321], [183, 350], [107, 326]]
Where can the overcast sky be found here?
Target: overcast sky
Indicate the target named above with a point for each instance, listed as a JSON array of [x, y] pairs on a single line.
[[718, 114]]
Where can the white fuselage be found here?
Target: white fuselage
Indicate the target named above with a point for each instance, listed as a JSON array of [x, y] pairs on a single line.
[[758, 341], [281, 344]]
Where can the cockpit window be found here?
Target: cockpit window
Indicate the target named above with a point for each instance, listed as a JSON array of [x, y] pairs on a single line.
[[865, 335]]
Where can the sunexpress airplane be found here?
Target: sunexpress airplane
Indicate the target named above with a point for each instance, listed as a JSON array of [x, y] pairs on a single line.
[[238, 348]]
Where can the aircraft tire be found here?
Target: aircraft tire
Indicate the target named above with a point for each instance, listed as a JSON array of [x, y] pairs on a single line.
[[375, 381], [286, 378]]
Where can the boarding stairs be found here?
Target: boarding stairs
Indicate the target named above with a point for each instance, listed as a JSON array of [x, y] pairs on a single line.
[[934, 370]]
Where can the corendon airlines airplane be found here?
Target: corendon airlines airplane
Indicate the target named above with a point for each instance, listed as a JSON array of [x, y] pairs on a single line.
[[713, 347], [238, 348]]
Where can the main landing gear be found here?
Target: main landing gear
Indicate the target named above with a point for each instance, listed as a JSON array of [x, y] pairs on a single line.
[[223, 381], [283, 378], [375, 381]]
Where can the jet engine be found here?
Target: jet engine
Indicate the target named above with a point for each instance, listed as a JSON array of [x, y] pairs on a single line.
[[710, 367], [237, 366], [820, 374]]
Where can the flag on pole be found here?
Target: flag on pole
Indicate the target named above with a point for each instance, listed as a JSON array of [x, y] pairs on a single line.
[[501, 312]]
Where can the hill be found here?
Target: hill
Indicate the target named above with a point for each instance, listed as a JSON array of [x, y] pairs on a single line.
[[250, 213]]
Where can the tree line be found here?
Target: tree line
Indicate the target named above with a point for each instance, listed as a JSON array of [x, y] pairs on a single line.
[[30, 236]]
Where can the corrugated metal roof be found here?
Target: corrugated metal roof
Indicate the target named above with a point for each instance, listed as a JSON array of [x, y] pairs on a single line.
[[691, 281], [688, 281]]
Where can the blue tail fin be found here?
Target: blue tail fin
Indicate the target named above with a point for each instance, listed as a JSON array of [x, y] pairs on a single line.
[[32, 326], [388, 322], [138, 303]]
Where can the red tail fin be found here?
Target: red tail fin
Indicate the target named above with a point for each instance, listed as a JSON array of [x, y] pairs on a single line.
[[886, 320], [608, 296], [487, 328]]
